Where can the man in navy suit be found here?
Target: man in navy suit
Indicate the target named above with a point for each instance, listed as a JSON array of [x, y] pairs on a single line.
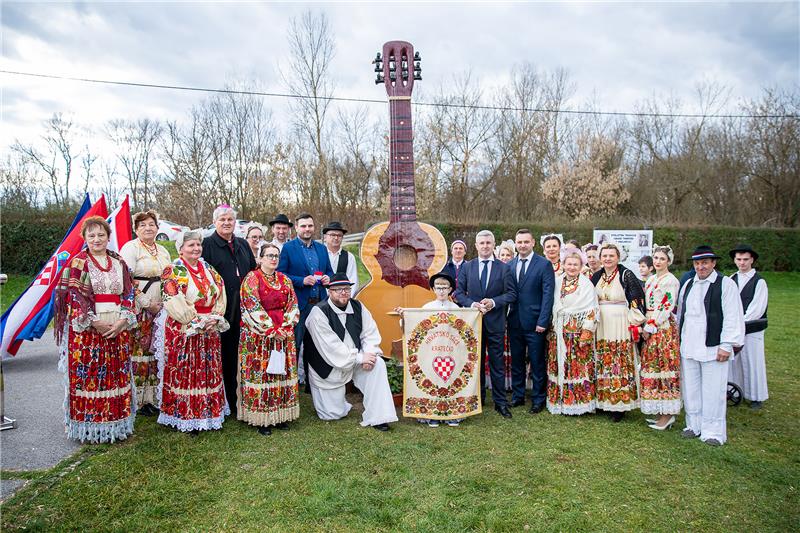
[[486, 284], [529, 319], [306, 263]]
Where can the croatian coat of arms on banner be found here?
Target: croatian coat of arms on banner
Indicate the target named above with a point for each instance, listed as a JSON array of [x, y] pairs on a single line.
[[441, 353]]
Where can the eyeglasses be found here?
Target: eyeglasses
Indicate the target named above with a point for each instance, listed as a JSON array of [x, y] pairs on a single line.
[[340, 289], [437, 288], [335, 235], [274, 257]]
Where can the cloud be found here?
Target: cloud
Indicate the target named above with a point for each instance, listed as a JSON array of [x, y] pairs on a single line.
[[617, 54]]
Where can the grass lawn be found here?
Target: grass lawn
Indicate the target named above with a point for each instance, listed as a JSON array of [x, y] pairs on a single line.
[[539, 472], [12, 288]]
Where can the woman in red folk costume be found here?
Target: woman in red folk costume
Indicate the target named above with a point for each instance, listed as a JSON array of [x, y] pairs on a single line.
[[94, 313], [189, 358], [267, 360]]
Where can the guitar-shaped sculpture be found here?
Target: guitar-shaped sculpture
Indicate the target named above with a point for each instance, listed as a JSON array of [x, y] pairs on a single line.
[[400, 254]]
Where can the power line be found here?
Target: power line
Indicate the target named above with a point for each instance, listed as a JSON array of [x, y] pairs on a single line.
[[376, 101]]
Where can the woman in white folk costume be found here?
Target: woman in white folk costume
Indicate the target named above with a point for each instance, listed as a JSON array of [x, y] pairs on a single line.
[[93, 321], [268, 393], [571, 374], [592, 252], [146, 260], [621, 300], [188, 345], [660, 373], [748, 369]]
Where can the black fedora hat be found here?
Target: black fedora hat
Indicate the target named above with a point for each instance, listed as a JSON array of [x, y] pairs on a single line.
[[703, 252], [334, 226], [443, 275], [742, 248], [339, 279], [281, 219]]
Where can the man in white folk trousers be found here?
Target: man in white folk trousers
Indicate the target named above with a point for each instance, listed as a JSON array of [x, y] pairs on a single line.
[[342, 344], [749, 368], [711, 325]]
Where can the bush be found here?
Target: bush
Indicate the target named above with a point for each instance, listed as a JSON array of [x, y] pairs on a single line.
[[27, 240]]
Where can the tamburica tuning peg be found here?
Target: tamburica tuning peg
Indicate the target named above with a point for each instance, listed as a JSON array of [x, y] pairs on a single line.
[[392, 75], [417, 76], [377, 58], [378, 67], [378, 79], [417, 56]]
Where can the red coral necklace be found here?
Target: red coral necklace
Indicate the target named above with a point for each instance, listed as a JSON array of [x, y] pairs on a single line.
[[108, 262]]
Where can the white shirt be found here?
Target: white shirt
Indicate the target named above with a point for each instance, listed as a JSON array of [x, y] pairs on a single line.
[[528, 260], [693, 329], [446, 305], [758, 306], [278, 243], [352, 267], [342, 355]]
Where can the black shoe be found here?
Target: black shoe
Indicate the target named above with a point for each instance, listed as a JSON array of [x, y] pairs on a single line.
[[266, 431], [503, 411], [194, 432], [147, 410], [617, 416], [536, 408], [283, 426], [381, 427], [518, 403]]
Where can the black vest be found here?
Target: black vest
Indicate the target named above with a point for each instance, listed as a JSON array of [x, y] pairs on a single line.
[[713, 305], [353, 326], [344, 261], [747, 293]]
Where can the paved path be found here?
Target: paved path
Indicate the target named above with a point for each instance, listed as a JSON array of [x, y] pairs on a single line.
[[34, 395]]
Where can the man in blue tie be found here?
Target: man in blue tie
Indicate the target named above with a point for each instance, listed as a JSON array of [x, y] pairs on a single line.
[[528, 321], [486, 284]]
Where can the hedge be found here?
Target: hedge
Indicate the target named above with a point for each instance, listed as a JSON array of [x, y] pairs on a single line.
[[26, 243], [778, 249]]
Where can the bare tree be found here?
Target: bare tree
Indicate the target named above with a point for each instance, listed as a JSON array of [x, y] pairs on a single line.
[[55, 161], [136, 142]]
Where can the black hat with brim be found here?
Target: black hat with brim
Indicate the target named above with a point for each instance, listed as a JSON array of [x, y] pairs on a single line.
[[703, 252], [281, 219], [339, 279], [742, 248], [333, 226], [443, 275]]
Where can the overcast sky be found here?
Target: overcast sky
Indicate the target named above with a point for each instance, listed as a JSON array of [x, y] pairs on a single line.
[[617, 54]]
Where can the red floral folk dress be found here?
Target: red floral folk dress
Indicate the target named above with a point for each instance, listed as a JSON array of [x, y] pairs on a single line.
[[189, 356], [269, 307], [660, 390], [99, 401]]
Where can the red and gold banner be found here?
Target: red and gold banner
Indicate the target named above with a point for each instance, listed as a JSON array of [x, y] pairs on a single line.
[[441, 354]]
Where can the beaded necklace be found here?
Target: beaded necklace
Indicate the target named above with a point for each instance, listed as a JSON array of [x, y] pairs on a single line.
[[108, 263], [569, 286], [151, 249]]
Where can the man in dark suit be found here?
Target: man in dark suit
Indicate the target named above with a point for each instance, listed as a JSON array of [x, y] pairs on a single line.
[[486, 284], [458, 249], [529, 319], [306, 263], [232, 258]]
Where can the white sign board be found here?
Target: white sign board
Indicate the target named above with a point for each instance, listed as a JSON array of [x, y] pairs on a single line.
[[635, 244]]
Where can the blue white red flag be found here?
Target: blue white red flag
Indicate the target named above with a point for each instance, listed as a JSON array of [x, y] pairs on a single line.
[[27, 318]]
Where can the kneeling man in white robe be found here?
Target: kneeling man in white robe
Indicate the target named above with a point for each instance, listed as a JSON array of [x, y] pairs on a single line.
[[711, 325], [345, 345]]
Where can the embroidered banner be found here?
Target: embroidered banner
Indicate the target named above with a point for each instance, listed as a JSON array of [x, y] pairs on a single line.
[[441, 353]]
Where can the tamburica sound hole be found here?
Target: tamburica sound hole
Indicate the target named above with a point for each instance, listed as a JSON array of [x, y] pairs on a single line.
[[405, 257]]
